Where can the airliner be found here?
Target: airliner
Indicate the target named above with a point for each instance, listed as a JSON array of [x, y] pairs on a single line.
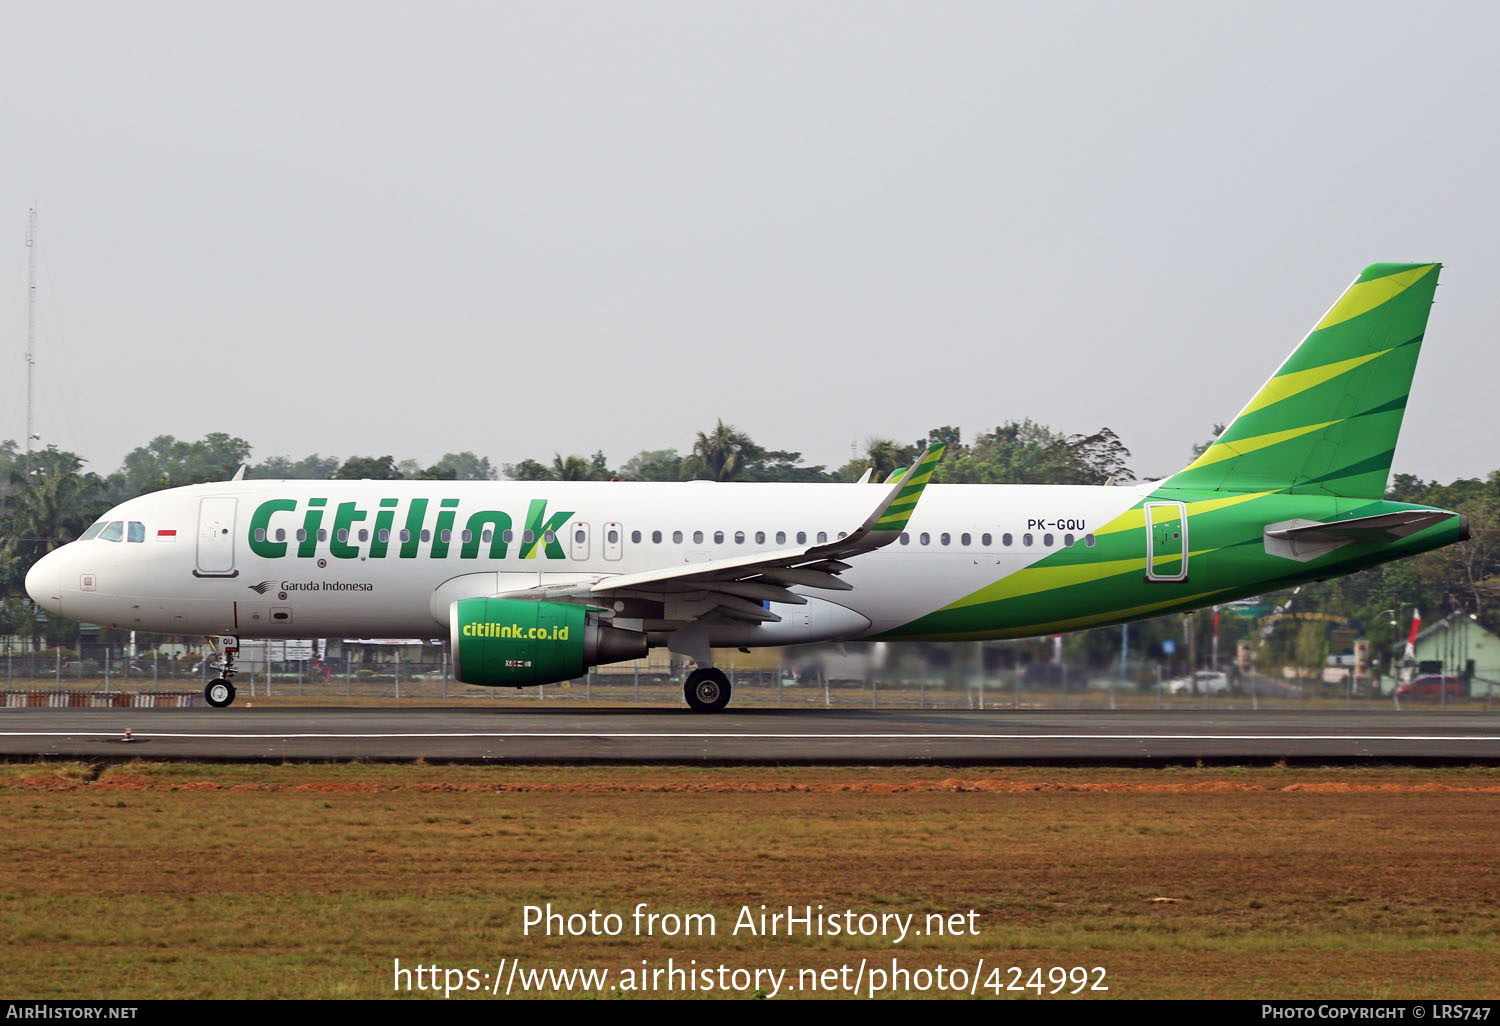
[[535, 582]]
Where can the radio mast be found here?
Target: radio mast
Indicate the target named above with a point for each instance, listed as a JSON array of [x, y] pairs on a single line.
[[30, 328]]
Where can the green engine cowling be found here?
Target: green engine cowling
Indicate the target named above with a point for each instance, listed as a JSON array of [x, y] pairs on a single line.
[[514, 643]]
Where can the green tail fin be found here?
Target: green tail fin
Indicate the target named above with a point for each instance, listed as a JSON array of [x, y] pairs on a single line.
[[1327, 420]]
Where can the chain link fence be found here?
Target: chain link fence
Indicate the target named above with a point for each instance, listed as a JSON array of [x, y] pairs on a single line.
[[641, 684]]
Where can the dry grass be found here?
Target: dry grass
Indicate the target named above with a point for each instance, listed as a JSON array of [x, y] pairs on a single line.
[[250, 881]]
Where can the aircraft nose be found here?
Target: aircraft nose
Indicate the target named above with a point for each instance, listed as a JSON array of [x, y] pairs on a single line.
[[43, 583]]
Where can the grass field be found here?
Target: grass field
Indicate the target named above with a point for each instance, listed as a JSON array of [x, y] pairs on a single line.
[[185, 880]]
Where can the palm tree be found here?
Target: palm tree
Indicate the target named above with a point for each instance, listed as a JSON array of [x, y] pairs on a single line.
[[46, 507], [572, 468], [887, 457], [720, 455], [41, 510]]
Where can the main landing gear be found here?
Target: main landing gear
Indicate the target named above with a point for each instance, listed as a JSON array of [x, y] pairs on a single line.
[[220, 691], [706, 689]]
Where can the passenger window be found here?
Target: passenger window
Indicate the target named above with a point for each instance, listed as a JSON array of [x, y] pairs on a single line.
[[466, 536], [801, 537], [137, 531], [343, 534], [508, 536], [302, 534], [323, 534], [843, 534], [426, 535], [822, 537], [445, 535], [780, 537], [114, 532], [655, 537], [548, 537], [964, 539], [697, 537], [281, 534], [760, 537], [739, 537], [487, 535], [383, 534], [1026, 540], [1088, 540], [579, 536], [718, 537], [92, 532], [613, 537], [1006, 539], [364, 535], [260, 534], [985, 539], [945, 538], [905, 538], [1068, 540], [1047, 540], [924, 538], [635, 537]]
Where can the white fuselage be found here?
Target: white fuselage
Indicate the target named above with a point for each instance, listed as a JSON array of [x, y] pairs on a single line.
[[228, 559]]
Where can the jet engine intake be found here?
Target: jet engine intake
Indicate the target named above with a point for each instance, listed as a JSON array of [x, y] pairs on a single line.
[[514, 643]]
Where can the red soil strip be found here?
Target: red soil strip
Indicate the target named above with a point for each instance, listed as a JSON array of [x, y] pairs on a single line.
[[136, 782]]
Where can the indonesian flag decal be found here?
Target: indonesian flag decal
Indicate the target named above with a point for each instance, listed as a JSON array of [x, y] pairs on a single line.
[[166, 534], [1411, 639]]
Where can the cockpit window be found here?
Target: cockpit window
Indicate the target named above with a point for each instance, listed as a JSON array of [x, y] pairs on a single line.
[[137, 531], [114, 532], [92, 532]]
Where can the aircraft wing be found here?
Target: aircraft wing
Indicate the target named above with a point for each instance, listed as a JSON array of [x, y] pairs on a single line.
[[739, 585]]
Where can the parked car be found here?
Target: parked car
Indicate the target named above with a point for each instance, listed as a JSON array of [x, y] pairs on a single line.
[[1209, 683], [1431, 686]]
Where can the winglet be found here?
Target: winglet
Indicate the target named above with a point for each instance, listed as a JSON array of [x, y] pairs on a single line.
[[902, 499], [816, 566]]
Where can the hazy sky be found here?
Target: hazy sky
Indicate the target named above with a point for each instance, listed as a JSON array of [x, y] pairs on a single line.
[[528, 228]]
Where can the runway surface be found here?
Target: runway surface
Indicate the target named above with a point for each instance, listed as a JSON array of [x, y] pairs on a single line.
[[754, 736]]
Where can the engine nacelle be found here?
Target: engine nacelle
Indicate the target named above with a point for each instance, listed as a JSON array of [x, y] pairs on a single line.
[[514, 643]]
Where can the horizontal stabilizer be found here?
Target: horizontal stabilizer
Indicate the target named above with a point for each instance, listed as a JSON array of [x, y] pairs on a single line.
[[1381, 527], [1305, 540]]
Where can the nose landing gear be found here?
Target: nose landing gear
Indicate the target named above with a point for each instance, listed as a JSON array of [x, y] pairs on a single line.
[[220, 691]]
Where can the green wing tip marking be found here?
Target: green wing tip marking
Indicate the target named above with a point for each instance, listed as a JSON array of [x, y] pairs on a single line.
[[926, 461], [909, 485]]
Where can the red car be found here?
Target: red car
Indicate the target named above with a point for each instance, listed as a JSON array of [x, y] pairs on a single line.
[[1431, 685]]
